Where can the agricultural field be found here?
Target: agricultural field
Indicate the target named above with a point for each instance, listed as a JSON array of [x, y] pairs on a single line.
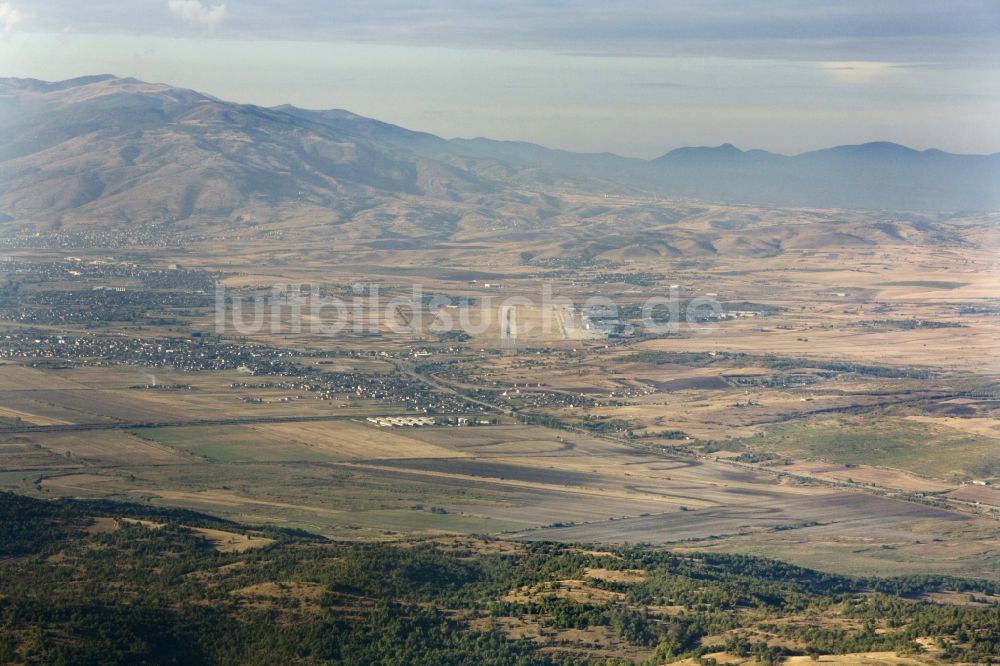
[[842, 412], [928, 448], [351, 478]]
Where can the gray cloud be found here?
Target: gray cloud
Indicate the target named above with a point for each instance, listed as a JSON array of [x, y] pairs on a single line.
[[959, 31]]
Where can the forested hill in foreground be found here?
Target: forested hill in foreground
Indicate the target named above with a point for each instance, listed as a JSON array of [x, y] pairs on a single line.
[[103, 150], [99, 582]]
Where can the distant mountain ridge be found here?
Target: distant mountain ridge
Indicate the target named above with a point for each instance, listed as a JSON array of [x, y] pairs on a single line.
[[107, 149]]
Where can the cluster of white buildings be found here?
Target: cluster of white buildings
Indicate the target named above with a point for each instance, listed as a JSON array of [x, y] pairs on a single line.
[[402, 421]]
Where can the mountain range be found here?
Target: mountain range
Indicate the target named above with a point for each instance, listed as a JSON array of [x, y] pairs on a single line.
[[108, 150]]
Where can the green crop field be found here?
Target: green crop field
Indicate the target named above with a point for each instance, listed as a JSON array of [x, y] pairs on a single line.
[[890, 441]]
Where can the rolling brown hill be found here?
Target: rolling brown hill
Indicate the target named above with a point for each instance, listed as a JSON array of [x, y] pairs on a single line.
[[105, 152]]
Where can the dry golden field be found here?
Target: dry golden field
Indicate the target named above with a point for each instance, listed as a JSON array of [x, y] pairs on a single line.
[[836, 416]]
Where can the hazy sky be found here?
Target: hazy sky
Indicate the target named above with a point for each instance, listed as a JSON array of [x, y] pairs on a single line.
[[633, 77]]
